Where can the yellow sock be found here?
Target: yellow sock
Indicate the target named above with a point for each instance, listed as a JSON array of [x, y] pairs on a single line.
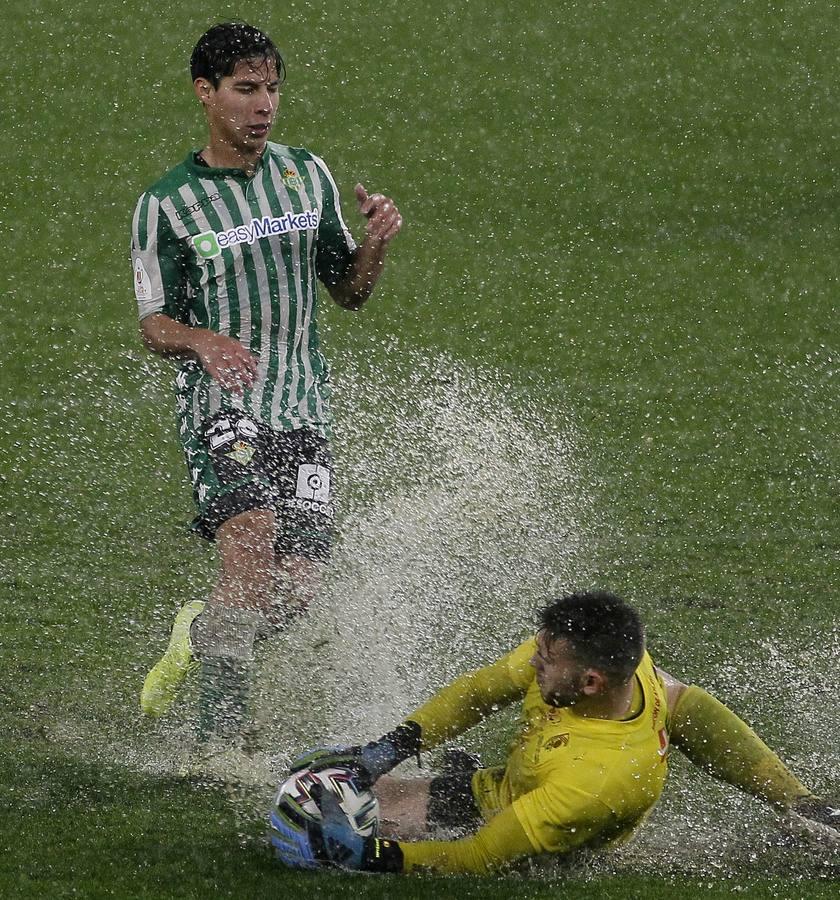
[[714, 738]]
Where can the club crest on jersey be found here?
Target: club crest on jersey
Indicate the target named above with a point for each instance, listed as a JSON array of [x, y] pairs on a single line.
[[292, 180], [210, 244], [560, 740]]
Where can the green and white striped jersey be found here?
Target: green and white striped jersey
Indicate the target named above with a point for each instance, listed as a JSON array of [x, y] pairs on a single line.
[[215, 248]]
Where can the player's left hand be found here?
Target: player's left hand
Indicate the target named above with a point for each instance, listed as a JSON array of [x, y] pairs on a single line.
[[296, 844], [383, 218], [342, 844]]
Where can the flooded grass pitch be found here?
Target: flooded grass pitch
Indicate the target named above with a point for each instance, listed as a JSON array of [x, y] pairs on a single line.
[[603, 354]]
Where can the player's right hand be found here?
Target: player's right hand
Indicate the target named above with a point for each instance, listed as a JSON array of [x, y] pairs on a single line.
[[370, 762], [226, 360], [342, 844]]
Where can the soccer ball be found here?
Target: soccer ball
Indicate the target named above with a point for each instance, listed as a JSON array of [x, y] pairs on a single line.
[[360, 805]]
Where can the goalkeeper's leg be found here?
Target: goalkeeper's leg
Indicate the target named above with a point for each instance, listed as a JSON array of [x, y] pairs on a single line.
[[414, 808], [403, 807]]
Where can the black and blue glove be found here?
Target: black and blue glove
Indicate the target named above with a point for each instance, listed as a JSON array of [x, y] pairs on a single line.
[[345, 847], [369, 762], [297, 841]]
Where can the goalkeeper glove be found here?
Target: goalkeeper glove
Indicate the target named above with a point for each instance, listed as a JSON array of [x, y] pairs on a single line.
[[297, 842], [818, 817], [369, 762], [345, 847]]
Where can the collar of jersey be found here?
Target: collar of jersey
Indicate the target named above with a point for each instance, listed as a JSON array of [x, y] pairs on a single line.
[[212, 172]]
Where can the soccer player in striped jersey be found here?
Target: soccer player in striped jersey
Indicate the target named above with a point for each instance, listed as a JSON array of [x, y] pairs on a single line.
[[227, 248]]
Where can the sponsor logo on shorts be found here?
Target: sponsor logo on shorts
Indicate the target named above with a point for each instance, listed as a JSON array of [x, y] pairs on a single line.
[[313, 483], [325, 509], [211, 243]]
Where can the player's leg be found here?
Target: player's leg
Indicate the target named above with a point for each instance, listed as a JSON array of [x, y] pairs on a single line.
[[302, 479], [226, 458], [297, 582], [414, 808], [223, 636], [403, 807]]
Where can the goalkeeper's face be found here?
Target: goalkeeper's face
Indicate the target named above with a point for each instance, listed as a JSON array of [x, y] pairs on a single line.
[[561, 678]]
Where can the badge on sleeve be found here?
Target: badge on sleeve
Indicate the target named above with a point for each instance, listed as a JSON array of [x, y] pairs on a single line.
[[142, 282]]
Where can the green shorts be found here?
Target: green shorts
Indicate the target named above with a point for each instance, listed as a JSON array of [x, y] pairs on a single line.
[[237, 464]]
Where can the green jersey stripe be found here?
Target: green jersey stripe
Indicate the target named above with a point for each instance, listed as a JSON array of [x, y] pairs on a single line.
[[291, 363], [311, 358], [285, 314]]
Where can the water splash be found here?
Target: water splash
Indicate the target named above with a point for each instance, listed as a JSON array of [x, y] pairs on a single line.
[[463, 508], [464, 504]]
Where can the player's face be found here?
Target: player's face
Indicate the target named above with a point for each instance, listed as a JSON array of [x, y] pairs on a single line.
[[241, 110], [560, 677]]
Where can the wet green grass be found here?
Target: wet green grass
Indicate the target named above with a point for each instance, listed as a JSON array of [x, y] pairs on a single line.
[[630, 210]]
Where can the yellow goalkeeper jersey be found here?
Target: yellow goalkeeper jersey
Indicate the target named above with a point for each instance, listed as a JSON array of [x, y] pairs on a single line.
[[569, 780]]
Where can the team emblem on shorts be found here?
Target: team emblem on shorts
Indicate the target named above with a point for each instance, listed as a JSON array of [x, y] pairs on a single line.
[[242, 453], [313, 483]]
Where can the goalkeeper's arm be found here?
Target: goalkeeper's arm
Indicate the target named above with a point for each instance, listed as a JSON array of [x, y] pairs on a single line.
[[450, 712], [717, 740]]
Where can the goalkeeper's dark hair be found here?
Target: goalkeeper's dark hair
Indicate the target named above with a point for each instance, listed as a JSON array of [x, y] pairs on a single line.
[[221, 47], [603, 631]]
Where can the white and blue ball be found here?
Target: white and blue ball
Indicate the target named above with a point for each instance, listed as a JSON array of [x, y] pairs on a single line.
[[359, 804]]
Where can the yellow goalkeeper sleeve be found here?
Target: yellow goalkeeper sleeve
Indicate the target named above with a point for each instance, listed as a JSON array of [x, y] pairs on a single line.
[[715, 739], [472, 696]]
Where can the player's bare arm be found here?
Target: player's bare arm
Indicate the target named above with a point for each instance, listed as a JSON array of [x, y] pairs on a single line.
[[223, 357], [383, 224], [673, 687]]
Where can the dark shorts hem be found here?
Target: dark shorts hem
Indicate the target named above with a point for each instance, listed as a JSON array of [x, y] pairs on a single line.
[[452, 804], [313, 545], [238, 465]]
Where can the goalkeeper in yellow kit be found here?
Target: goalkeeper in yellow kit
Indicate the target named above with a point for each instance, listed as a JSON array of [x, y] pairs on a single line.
[[588, 762]]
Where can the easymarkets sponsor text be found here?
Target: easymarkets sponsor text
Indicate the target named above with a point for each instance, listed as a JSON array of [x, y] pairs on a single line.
[[211, 243]]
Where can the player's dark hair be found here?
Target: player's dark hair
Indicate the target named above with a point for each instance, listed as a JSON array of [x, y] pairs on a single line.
[[603, 631], [220, 48]]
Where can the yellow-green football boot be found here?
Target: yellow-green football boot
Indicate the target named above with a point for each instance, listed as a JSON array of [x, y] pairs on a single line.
[[167, 675]]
